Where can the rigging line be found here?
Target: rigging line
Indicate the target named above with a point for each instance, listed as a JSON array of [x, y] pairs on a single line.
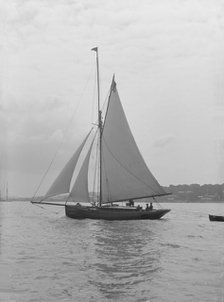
[[63, 139], [76, 108], [91, 150], [154, 199], [40, 206], [80, 155], [106, 99], [107, 182], [46, 209], [96, 176], [83, 161], [93, 100], [43, 177], [126, 169], [104, 105]]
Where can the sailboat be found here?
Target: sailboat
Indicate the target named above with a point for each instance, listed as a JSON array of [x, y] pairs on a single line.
[[4, 196], [122, 175]]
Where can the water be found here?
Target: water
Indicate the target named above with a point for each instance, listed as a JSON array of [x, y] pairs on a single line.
[[45, 256]]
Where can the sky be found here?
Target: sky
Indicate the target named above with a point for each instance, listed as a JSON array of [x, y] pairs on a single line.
[[168, 60]]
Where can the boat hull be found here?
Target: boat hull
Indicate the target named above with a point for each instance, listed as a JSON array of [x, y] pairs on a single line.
[[112, 213], [216, 218]]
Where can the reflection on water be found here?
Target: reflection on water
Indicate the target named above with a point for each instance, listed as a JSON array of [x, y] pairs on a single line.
[[45, 256], [125, 257]]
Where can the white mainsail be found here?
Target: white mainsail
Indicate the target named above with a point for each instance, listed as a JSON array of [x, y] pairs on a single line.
[[61, 185], [125, 174]]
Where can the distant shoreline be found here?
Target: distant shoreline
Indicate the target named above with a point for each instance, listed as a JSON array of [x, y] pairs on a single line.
[[193, 193]]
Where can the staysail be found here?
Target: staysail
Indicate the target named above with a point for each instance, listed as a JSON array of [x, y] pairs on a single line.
[[61, 185], [80, 190], [125, 174]]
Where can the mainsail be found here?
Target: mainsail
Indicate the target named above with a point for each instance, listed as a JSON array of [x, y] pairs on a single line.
[[125, 174]]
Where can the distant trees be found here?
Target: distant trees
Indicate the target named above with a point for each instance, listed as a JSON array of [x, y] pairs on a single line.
[[197, 192]]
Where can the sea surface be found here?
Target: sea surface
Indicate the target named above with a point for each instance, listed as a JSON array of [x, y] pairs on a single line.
[[45, 256]]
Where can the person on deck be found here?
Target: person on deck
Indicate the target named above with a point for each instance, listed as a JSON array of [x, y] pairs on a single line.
[[131, 202], [151, 206]]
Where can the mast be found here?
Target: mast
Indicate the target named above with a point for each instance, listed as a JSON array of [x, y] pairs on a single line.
[[100, 124]]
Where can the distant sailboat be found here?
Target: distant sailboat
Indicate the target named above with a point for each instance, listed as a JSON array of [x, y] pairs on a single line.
[[122, 176], [4, 196]]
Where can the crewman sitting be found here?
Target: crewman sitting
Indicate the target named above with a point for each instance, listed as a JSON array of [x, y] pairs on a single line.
[[131, 202]]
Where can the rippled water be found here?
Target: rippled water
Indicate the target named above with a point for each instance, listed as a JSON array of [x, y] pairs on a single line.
[[45, 256]]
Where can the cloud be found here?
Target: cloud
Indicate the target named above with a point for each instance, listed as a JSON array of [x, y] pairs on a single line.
[[166, 57]]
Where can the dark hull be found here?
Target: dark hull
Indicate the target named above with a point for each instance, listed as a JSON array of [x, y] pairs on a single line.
[[112, 213], [216, 218]]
